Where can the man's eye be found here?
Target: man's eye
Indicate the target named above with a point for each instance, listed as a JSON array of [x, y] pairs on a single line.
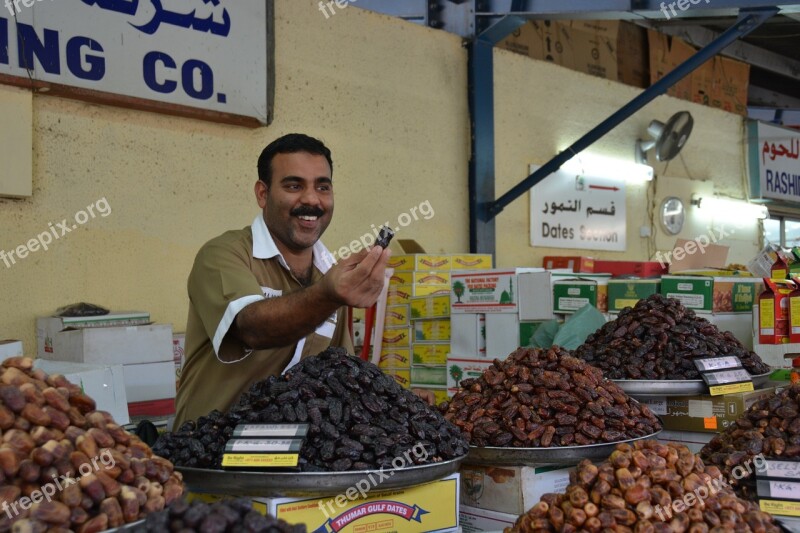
[[324, 188]]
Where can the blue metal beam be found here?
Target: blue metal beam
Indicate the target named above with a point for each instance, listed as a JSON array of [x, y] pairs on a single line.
[[748, 22]]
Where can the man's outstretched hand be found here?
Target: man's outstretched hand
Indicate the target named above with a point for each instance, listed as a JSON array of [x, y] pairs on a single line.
[[357, 281]]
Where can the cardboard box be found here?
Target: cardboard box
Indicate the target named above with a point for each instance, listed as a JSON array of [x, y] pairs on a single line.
[[502, 335], [431, 290], [396, 337], [401, 375], [397, 315], [432, 330], [569, 295], [475, 520], [535, 295], [113, 345], [736, 294], [575, 263], [105, 384], [399, 294], [740, 324], [717, 294], [400, 277], [694, 292], [178, 355], [641, 269], [777, 356], [523, 291], [434, 376], [429, 507], [395, 358], [773, 312], [48, 326], [149, 381], [468, 335], [430, 307], [731, 82], [624, 293], [510, 489], [423, 353], [459, 369], [703, 412], [10, 348], [427, 277], [471, 261], [666, 53]]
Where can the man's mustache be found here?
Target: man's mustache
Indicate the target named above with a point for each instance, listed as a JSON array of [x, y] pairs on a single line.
[[307, 212]]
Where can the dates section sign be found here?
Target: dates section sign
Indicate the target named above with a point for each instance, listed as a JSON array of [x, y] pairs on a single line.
[[570, 210]]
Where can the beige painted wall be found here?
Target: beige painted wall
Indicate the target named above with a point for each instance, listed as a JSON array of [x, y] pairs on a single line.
[[388, 97]]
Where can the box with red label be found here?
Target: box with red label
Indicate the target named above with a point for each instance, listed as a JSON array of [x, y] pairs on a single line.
[[575, 263], [780, 268], [642, 269], [773, 310], [794, 312]]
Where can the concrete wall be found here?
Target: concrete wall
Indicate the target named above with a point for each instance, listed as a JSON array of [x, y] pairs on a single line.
[[388, 97]]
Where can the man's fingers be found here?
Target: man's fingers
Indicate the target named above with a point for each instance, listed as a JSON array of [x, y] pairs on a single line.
[[353, 260]]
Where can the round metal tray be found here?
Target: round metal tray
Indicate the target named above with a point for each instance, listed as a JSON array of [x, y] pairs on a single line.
[[127, 527], [674, 387], [292, 484], [556, 455]]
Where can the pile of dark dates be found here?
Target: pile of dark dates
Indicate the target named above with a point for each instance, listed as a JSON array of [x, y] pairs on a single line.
[[770, 428], [359, 419], [235, 515], [658, 339], [537, 398]]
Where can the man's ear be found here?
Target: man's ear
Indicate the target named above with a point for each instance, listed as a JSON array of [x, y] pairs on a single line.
[[261, 191]]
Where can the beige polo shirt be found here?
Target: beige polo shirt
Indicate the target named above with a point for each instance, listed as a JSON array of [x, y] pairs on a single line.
[[234, 270]]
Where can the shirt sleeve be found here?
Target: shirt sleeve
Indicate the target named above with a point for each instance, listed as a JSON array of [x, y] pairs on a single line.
[[220, 285]]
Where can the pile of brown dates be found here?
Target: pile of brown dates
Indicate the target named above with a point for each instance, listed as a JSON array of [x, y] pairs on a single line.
[[659, 339], [537, 398], [645, 488], [359, 419]]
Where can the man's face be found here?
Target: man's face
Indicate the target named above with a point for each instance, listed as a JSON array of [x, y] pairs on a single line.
[[298, 204]]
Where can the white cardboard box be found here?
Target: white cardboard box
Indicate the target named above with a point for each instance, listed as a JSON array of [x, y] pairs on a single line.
[[536, 296], [740, 324], [462, 368], [468, 335], [502, 335], [48, 326], [105, 384], [10, 348], [150, 381], [474, 520], [510, 489], [113, 345]]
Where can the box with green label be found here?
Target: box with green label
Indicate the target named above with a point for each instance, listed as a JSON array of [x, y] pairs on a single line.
[[423, 353], [432, 330], [718, 294], [624, 293], [429, 375], [694, 292], [459, 369], [569, 295]]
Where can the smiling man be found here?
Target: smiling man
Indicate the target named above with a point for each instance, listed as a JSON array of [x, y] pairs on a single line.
[[263, 297]]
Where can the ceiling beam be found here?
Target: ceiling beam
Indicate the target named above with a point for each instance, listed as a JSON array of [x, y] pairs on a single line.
[[762, 97]]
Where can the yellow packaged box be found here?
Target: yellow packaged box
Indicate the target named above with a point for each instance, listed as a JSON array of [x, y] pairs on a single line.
[[396, 338], [431, 262], [399, 294], [426, 277], [431, 290], [432, 330], [401, 262], [397, 315], [395, 358], [470, 261], [362, 509], [430, 307], [400, 277], [429, 354], [401, 375]]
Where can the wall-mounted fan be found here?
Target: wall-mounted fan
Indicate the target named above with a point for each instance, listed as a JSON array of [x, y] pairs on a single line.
[[667, 139]]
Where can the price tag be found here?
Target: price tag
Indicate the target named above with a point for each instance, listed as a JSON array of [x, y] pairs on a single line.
[[779, 469], [717, 363], [257, 460], [263, 445], [271, 430], [728, 381], [262, 452], [778, 489]]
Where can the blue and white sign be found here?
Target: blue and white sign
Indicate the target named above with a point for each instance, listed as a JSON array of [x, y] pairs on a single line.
[[774, 154], [206, 54]]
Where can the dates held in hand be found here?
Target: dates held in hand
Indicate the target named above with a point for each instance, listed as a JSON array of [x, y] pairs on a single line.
[[658, 339], [537, 398], [646, 488], [359, 419]]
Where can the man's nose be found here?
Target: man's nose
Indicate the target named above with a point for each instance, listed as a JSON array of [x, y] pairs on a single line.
[[310, 196]]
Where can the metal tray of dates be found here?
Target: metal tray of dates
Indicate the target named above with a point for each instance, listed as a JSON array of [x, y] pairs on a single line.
[[639, 388], [492, 455], [293, 484]]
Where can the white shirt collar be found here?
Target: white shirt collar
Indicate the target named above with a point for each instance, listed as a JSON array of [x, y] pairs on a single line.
[[264, 247]]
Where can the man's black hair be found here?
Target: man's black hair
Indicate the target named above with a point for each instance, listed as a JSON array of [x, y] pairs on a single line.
[[290, 144]]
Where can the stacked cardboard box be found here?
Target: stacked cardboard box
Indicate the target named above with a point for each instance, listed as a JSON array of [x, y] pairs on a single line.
[[571, 292], [417, 327]]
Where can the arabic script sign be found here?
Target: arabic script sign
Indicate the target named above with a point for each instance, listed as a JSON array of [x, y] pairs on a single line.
[[774, 162], [203, 54], [578, 211]]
